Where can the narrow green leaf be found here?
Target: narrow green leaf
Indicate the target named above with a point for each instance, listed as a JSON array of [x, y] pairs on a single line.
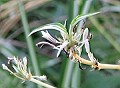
[[76, 77], [79, 17], [54, 26], [29, 40]]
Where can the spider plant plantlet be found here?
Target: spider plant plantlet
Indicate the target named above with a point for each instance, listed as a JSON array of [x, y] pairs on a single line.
[[72, 41], [22, 72]]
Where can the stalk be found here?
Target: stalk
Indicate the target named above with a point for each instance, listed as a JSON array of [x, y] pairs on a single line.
[[41, 83], [68, 64], [93, 64], [29, 40], [76, 76]]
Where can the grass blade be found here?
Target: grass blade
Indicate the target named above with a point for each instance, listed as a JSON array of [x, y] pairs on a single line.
[[29, 40]]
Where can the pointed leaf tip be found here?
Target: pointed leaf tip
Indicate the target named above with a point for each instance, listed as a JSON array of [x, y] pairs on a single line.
[[79, 17]]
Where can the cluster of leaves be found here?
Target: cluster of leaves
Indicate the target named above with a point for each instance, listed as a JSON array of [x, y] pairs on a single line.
[[105, 29]]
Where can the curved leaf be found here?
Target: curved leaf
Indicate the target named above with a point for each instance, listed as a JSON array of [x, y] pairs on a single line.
[[79, 17], [54, 26]]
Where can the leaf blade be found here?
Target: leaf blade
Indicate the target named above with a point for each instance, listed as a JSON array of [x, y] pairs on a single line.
[[54, 26], [79, 17]]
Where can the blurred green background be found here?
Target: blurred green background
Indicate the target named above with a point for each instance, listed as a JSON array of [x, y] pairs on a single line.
[[61, 72]]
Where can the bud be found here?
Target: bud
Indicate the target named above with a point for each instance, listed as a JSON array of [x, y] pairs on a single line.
[[4, 67]]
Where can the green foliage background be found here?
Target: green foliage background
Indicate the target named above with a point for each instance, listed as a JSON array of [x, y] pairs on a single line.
[[61, 72]]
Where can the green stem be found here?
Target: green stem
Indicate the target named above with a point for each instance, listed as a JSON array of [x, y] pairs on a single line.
[[76, 76], [67, 74], [68, 65], [86, 6], [29, 39]]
